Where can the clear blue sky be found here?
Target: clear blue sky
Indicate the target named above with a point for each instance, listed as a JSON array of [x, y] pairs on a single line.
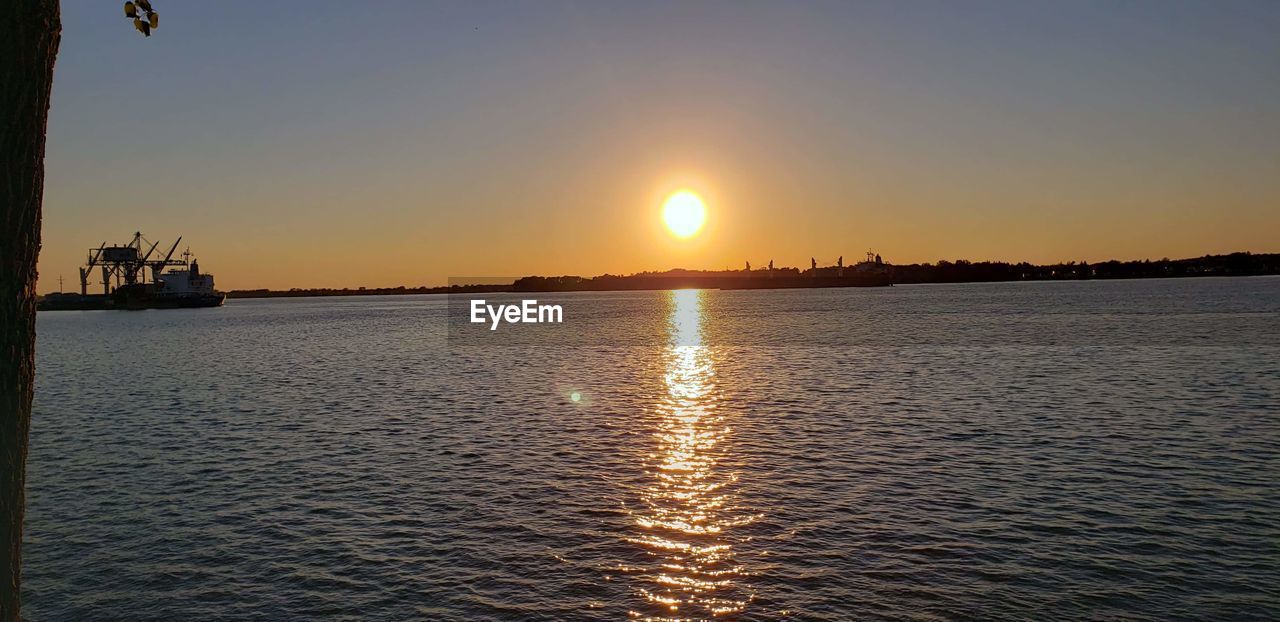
[[381, 143]]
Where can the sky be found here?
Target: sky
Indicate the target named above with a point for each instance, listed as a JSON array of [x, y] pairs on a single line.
[[341, 144]]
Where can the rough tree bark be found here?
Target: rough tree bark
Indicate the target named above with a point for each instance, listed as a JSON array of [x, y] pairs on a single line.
[[29, 35]]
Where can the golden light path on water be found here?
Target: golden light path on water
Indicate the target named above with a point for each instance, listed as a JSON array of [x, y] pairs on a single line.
[[688, 509]]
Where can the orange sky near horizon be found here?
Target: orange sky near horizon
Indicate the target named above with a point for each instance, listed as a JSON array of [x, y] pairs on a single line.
[[546, 144]]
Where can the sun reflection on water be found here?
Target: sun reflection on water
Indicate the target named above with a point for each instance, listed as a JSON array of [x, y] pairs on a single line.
[[688, 510]]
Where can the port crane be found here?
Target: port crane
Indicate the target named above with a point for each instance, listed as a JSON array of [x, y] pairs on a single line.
[[123, 264]]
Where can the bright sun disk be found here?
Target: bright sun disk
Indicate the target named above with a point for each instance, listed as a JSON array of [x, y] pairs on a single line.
[[684, 213]]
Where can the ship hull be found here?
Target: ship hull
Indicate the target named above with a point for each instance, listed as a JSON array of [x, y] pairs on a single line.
[[132, 303], [75, 302], [184, 301]]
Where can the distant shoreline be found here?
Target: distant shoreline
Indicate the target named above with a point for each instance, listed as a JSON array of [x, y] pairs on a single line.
[[859, 275]]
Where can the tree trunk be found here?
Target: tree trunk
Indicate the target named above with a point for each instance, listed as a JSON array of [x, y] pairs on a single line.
[[29, 34]]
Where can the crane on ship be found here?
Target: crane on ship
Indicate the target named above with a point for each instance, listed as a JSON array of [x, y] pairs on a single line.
[[124, 263], [85, 270]]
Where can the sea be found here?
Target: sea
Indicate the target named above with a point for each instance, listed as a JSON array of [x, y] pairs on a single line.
[[1083, 450]]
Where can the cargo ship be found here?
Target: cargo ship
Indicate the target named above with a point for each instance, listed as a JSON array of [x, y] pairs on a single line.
[[134, 277]]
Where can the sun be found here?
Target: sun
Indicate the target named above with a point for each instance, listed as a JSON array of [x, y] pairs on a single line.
[[684, 214]]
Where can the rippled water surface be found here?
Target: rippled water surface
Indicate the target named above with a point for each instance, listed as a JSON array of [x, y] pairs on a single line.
[[1081, 450]]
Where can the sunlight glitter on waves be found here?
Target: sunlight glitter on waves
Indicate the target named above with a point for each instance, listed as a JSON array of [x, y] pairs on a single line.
[[733, 571], [690, 505], [673, 545], [697, 585], [689, 508], [691, 528]]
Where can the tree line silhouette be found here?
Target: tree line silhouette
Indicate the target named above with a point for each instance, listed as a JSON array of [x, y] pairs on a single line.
[[963, 271], [958, 271]]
